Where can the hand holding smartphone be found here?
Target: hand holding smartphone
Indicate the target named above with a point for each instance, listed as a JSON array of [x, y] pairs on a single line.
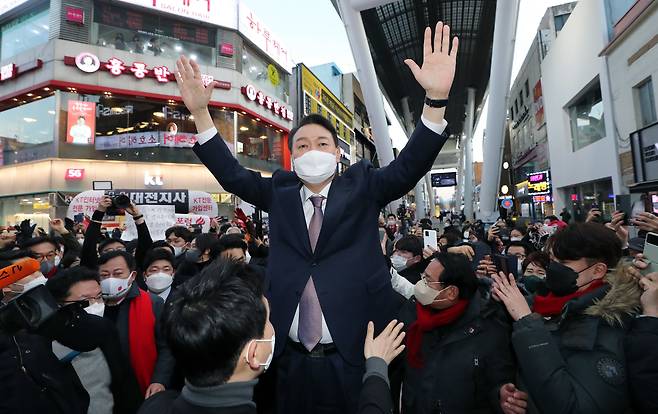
[[429, 239]]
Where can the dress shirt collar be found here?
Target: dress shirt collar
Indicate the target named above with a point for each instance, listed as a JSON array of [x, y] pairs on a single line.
[[306, 193]]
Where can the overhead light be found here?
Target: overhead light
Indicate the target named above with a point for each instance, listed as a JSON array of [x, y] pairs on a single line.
[[193, 56], [257, 119], [29, 120], [25, 200], [243, 113], [37, 198], [244, 128], [504, 189], [46, 89], [191, 118], [15, 99], [178, 48], [263, 137], [116, 109], [158, 114], [30, 94], [505, 165], [37, 97]]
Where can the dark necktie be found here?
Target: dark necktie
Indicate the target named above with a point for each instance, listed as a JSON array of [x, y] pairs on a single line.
[[309, 329]]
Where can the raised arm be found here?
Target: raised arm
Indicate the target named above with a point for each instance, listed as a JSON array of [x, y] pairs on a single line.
[[210, 148], [436, 77]]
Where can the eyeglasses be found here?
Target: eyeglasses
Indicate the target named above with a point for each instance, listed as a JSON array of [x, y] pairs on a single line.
[[48, 256], [426, 279]]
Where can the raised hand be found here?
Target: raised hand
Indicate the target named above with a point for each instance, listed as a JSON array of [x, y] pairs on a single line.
[[505, 289], [188, 77], [438, 70], [387, 345]]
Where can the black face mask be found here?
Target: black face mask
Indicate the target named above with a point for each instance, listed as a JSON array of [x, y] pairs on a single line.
[[561, 279]]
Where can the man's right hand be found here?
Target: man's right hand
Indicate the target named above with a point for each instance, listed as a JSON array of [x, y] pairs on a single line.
[[513, 401], [188, 77], [388, 345], [106, 202]]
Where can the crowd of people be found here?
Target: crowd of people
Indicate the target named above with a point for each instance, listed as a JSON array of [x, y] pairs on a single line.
[[330, 312]]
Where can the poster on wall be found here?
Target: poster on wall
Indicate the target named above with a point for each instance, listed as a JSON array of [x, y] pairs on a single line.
[[81, 123]]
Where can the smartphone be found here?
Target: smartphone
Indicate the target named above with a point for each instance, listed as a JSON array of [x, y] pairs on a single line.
[[507, 264], [623, 204], [429, 239], [481, 250], [504, 233], [651, 252]]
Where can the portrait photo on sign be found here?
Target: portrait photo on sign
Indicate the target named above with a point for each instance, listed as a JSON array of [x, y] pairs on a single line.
[[81, 123]]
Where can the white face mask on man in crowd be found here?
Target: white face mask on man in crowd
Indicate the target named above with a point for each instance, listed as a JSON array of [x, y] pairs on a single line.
[[314, 151]]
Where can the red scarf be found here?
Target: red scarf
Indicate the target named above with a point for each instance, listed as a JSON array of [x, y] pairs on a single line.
[[141, 338], [427, 320], [551, 305]]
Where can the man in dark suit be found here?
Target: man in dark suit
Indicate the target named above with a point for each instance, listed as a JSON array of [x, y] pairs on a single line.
[[327, 275]]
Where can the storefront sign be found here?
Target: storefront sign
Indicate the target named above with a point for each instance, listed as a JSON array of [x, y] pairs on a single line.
[[542, 199], [506, 203], [89, 63], [259, 97], [323, 101], [7, 5], [81, 125], [147, 139], [538, 104], [75, 15], [539, 183], [254, 30], [8, 71], [178, 198], [217, 12], [74, 174], [226, 49], [153, 180]]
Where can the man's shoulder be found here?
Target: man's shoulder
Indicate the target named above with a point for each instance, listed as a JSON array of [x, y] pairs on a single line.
[[160, 403]]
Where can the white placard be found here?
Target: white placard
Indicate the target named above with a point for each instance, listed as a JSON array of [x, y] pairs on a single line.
[[187, 220], [86, 202], [202, 203], [158, 219]]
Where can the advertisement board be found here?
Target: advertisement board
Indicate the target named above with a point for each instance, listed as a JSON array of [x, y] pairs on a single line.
[[81, 123], [219, 12], [448, 179]]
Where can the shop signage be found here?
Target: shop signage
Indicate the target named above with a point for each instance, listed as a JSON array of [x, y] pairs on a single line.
[[448, 179], [7, 5], [539, 183], [140, 70], [259, 97], [81, 125], [153, 180], [507, 203], [538, 105], [254, 30], [322, 101], [8, 71], [226, 49], [217, 12], [74, 174], [75, 15], [146, 139], [542, 199], [178, 198]]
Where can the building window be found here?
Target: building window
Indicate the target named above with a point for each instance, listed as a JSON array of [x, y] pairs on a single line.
[[266, 76], [527, 88], [516, 106], [511, 113], [521, 99], [560, 21], [27, 132], [145, 34], [646, 102], [586, 117], [23, 33], [259, 147]]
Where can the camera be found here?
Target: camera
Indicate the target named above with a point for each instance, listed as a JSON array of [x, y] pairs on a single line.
[[29, 311], [120, 202]]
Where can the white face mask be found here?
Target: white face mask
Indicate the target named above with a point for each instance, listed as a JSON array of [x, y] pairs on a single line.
[[38, 281], [398, 262], [114, 288], [97, 309], [267, 363], [178, 250], [425, 295], [247, 257], [515, 239], [315, 167], [81, 241], [159, 282], [519, 267], [466, 234], [57, 260]]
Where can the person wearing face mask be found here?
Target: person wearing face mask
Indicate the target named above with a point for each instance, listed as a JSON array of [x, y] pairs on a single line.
[[458, 356], [569, 342], [534, 272], [179, 238], [136, 314], [91, 345], [517, 234], [47, 251], [204, 248], [159, 272], [407, 258], [224, 352], [326, 284]]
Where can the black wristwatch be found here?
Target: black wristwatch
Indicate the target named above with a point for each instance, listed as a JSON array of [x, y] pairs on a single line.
[[436, 103]]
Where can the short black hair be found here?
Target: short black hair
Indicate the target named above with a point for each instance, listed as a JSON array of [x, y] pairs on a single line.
[[457, 272], [539, 258], [224, 227], [60, 285], [162, 244], [27, 244], [551, 218], [454, 237], [392, 215], [158, 254], [519, 229], [181, 232], [526, 247], [210, 321], [104, 243], [410, 243], [313, 119], [592, 241], [233, 241], [130, 260]]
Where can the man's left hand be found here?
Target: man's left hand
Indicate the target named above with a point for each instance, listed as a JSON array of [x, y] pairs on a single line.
[[505, 289], [438, 70], [154, 389]]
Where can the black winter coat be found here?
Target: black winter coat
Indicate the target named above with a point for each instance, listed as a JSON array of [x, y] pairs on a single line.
[[642, 359], [465, 363]]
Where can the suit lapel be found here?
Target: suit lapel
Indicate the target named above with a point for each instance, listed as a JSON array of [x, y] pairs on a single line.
[[291, 199], [339, 193]]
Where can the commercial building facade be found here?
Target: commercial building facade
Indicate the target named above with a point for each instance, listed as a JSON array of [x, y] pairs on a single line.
[[89, 86]]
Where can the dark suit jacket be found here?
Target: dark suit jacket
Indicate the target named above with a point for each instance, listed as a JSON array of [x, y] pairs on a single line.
[[349, 271]]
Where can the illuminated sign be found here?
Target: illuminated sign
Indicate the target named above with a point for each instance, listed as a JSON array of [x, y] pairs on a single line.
[[75, 15], [153, 180], [218, 12], [542, 199], [539, 183], [8, 71], [259, 97], [89, 63], [74, 174]]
